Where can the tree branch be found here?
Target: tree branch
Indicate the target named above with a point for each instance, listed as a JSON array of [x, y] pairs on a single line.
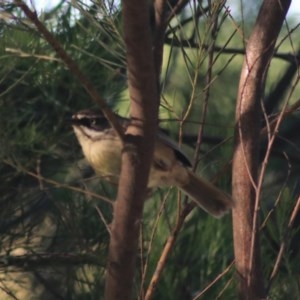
[[72, 66], [167, 250], [190, 43], [137, 151], [31, 261], [259, 51]]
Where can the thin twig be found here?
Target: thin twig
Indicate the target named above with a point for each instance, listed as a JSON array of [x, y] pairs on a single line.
[[284, 112], [292, 58], [151, 242], [59, 184], [21, 53], [272, 136], [103, 219], [284, 243], [258, 188], [213, 282], [278, 199], [166, 252], [29, 261], [72, 66], [208, 79]]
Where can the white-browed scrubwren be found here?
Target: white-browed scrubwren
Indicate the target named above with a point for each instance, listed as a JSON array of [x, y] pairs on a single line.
[[102, 148]]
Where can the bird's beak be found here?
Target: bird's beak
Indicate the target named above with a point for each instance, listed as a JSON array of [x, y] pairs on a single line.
[[74, 120]]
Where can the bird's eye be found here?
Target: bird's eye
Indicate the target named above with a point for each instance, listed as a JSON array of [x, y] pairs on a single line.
[[93, 122]]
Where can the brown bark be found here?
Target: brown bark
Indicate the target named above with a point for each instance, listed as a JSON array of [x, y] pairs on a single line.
[[137, 152], [259, 51]]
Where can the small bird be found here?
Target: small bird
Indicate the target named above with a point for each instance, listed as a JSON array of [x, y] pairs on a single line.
[[102, 148]]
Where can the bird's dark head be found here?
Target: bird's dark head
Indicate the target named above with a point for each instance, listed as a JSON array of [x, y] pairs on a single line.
[[89, 124], [93, 120]]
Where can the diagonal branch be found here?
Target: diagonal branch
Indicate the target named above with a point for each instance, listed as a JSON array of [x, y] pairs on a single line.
[[72, 66]]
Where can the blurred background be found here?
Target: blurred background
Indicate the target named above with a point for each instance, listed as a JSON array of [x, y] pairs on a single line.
[[55, 213]]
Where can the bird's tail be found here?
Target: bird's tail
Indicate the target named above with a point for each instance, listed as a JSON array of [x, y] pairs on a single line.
[[209, 197]]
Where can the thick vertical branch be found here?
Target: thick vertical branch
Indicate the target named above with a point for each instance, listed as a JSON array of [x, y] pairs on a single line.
[[137, 153], [258, 54]]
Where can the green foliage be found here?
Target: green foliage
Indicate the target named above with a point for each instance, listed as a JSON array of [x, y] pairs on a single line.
[[44, 214]]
